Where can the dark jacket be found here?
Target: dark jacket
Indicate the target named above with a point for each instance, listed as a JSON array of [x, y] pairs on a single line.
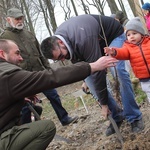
[[85, 39], [29, 47], [15, 84]]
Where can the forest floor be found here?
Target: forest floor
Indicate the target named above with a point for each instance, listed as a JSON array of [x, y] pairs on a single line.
[[88, 133]]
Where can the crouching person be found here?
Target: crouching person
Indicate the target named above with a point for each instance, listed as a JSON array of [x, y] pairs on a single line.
[[16, 84]]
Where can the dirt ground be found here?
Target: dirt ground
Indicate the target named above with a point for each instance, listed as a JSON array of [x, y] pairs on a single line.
[[88, 133]]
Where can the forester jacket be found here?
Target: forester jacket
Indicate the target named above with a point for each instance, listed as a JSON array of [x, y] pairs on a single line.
[[85, 37], [29, 47], [15, 84], [139, 56]]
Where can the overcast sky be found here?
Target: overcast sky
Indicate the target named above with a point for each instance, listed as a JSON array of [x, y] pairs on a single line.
[[41, 31]]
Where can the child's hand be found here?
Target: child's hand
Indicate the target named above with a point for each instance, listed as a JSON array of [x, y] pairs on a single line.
[[109, 51]]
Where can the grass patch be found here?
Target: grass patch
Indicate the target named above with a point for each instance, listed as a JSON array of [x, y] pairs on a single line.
[[71, 103], [140, 95]]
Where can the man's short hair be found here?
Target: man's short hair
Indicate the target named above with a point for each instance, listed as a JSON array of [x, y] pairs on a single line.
[[48, 45]]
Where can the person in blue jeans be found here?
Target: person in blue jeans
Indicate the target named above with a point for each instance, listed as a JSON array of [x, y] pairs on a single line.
[[130, 108], [83, 38]]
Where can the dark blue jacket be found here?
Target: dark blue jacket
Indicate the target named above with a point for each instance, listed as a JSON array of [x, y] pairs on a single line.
[[85, 39]]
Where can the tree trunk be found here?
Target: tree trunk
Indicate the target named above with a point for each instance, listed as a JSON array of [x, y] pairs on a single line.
[[84, 7], [51, 14], [28, 17], [140, 13], [122, 6], [113, 6], [132, 6], [74, 8], [45, 18]]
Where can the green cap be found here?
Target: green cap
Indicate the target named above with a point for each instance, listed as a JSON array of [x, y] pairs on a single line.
[[15, 13]]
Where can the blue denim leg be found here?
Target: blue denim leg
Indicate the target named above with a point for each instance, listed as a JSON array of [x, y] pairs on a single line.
[[130, 107], [116, 112], [55, 101]]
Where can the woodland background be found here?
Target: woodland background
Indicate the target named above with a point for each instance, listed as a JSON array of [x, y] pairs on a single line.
[[43, 16]]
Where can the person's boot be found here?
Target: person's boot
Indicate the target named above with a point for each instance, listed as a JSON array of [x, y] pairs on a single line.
[[70, 120], [137, 126], [110, 130]]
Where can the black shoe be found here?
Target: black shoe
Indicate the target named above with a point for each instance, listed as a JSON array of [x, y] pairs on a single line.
[[110, 130], [137, 126], [70, 120]]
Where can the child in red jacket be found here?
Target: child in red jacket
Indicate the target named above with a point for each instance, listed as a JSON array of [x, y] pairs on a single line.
[[136, 49]]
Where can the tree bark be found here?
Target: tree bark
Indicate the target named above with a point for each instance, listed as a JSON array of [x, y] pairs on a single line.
[[140, 13]]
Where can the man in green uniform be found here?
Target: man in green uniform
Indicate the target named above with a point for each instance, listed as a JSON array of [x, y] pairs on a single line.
[[33, 58], [16, 84]]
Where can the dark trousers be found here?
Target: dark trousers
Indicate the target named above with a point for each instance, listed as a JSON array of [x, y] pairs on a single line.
[[26, 113], [55, 101]]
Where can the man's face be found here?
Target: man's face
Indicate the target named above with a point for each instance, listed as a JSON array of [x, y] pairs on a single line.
[[60, 53], [16, 22], [13, 56]]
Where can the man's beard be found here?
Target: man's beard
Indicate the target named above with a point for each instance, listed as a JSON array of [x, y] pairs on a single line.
[[67, 56], [18, 26]]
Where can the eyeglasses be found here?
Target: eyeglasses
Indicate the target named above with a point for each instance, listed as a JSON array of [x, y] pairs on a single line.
[[61, 56]]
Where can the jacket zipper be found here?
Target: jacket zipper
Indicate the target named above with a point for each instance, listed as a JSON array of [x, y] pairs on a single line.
[[144, 59]]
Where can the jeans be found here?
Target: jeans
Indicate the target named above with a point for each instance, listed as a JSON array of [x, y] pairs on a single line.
[[55, 101], [26, 113], [130, 108]]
